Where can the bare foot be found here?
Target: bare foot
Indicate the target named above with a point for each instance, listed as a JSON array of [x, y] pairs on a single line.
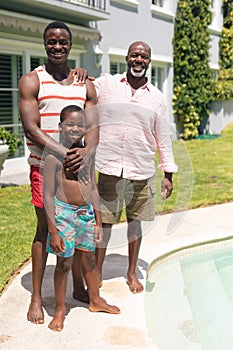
[[134, 285], [81, 295], [35, 312], [57, 322], [101, 306]]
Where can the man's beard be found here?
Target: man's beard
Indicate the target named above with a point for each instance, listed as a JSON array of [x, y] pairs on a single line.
[[137, 74]]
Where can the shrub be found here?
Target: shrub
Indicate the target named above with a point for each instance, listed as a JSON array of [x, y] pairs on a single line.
[[224, 84], [193, 82], [12, 139]]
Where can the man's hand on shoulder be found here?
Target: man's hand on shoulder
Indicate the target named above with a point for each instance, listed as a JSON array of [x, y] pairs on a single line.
[[78, 161], [81, 75]]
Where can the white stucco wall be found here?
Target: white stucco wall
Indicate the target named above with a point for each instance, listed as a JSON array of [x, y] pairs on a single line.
[[221, 116]]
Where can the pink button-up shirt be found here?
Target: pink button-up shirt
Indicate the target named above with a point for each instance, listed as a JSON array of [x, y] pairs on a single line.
[[131, 128]]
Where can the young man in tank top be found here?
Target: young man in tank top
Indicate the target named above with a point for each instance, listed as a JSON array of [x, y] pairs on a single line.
[[43, 93]]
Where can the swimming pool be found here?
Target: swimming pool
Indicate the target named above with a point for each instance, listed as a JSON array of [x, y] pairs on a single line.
[[189, 297]]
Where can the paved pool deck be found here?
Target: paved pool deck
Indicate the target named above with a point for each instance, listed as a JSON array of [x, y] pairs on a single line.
[[85, 330]]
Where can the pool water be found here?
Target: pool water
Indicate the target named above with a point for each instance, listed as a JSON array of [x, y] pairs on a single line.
[[189, 298]]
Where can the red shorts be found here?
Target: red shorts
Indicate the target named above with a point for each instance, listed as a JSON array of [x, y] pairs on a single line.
[[37, 185]]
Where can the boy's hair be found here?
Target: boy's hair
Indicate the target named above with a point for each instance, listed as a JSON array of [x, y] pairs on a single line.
[[70, 109], [55, 25]]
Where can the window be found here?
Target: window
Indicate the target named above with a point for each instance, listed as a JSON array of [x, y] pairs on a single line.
[[10, 73], [157, 73], [9, 78], [117, 67], [157, 77], [164, 8], [37, 61], [159, 3], [215, 74]]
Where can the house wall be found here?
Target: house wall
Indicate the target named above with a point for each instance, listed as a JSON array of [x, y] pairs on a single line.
[[221, 116]]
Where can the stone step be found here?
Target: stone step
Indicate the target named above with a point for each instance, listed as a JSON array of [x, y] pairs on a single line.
[[168, 313], [211, 307]]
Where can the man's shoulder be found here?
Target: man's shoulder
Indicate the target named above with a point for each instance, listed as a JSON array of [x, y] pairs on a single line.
[[33, 72], [155, 91], [108, 76], [29, 80], [29, 75]]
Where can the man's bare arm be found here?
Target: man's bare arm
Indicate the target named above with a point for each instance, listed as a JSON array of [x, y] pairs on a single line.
[[30, 116], [92, 133]]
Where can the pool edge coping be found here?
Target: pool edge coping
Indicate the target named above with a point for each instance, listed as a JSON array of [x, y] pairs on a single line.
[[171, 253]]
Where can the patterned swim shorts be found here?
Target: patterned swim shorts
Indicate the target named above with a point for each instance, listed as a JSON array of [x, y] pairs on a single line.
[[75, 224]]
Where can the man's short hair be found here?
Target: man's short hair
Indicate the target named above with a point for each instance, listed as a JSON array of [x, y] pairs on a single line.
[[55, 25]]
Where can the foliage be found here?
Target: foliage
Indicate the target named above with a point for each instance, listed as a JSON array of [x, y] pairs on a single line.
[[193, 82], [224, 84], [12, 139]]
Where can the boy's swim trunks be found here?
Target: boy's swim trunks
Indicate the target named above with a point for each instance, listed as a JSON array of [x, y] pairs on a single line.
[[75, 224]]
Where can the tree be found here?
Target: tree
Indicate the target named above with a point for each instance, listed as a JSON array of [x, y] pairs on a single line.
[[224, 85], [193, 82]]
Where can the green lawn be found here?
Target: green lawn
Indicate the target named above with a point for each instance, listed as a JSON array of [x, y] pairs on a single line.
[[205, 174], [17, 229], [205, 177]]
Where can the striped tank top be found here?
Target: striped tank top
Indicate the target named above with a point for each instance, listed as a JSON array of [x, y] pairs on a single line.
[[52, 98]]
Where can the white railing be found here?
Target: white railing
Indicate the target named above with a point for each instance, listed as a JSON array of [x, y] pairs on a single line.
[[96, 4]]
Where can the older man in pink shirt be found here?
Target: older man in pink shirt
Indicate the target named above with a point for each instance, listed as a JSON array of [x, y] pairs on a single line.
[[133, 124]]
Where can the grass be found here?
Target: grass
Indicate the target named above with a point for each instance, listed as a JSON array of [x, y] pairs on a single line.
[[204, 178], [17, 229], [205, 174]]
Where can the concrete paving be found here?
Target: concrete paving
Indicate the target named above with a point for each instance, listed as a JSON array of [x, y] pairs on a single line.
[[14, 179], [85, 330]]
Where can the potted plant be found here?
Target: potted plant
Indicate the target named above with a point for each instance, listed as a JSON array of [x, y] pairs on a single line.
[[9, 143]]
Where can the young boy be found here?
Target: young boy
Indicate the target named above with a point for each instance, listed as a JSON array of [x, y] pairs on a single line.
[[72, 221]]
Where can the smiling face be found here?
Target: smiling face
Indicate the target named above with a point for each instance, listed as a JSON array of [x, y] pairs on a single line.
[[138, 59], [72, 128], [57, 45]]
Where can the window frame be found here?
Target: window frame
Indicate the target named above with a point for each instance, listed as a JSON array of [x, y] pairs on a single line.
[[121, 66], [129, 3], [163, 9], [154, 81]]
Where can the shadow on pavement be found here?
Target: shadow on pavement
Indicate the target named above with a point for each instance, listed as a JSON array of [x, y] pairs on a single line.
[[115, 265]]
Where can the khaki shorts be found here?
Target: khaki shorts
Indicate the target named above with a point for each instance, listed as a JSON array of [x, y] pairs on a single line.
[[116, 193]]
